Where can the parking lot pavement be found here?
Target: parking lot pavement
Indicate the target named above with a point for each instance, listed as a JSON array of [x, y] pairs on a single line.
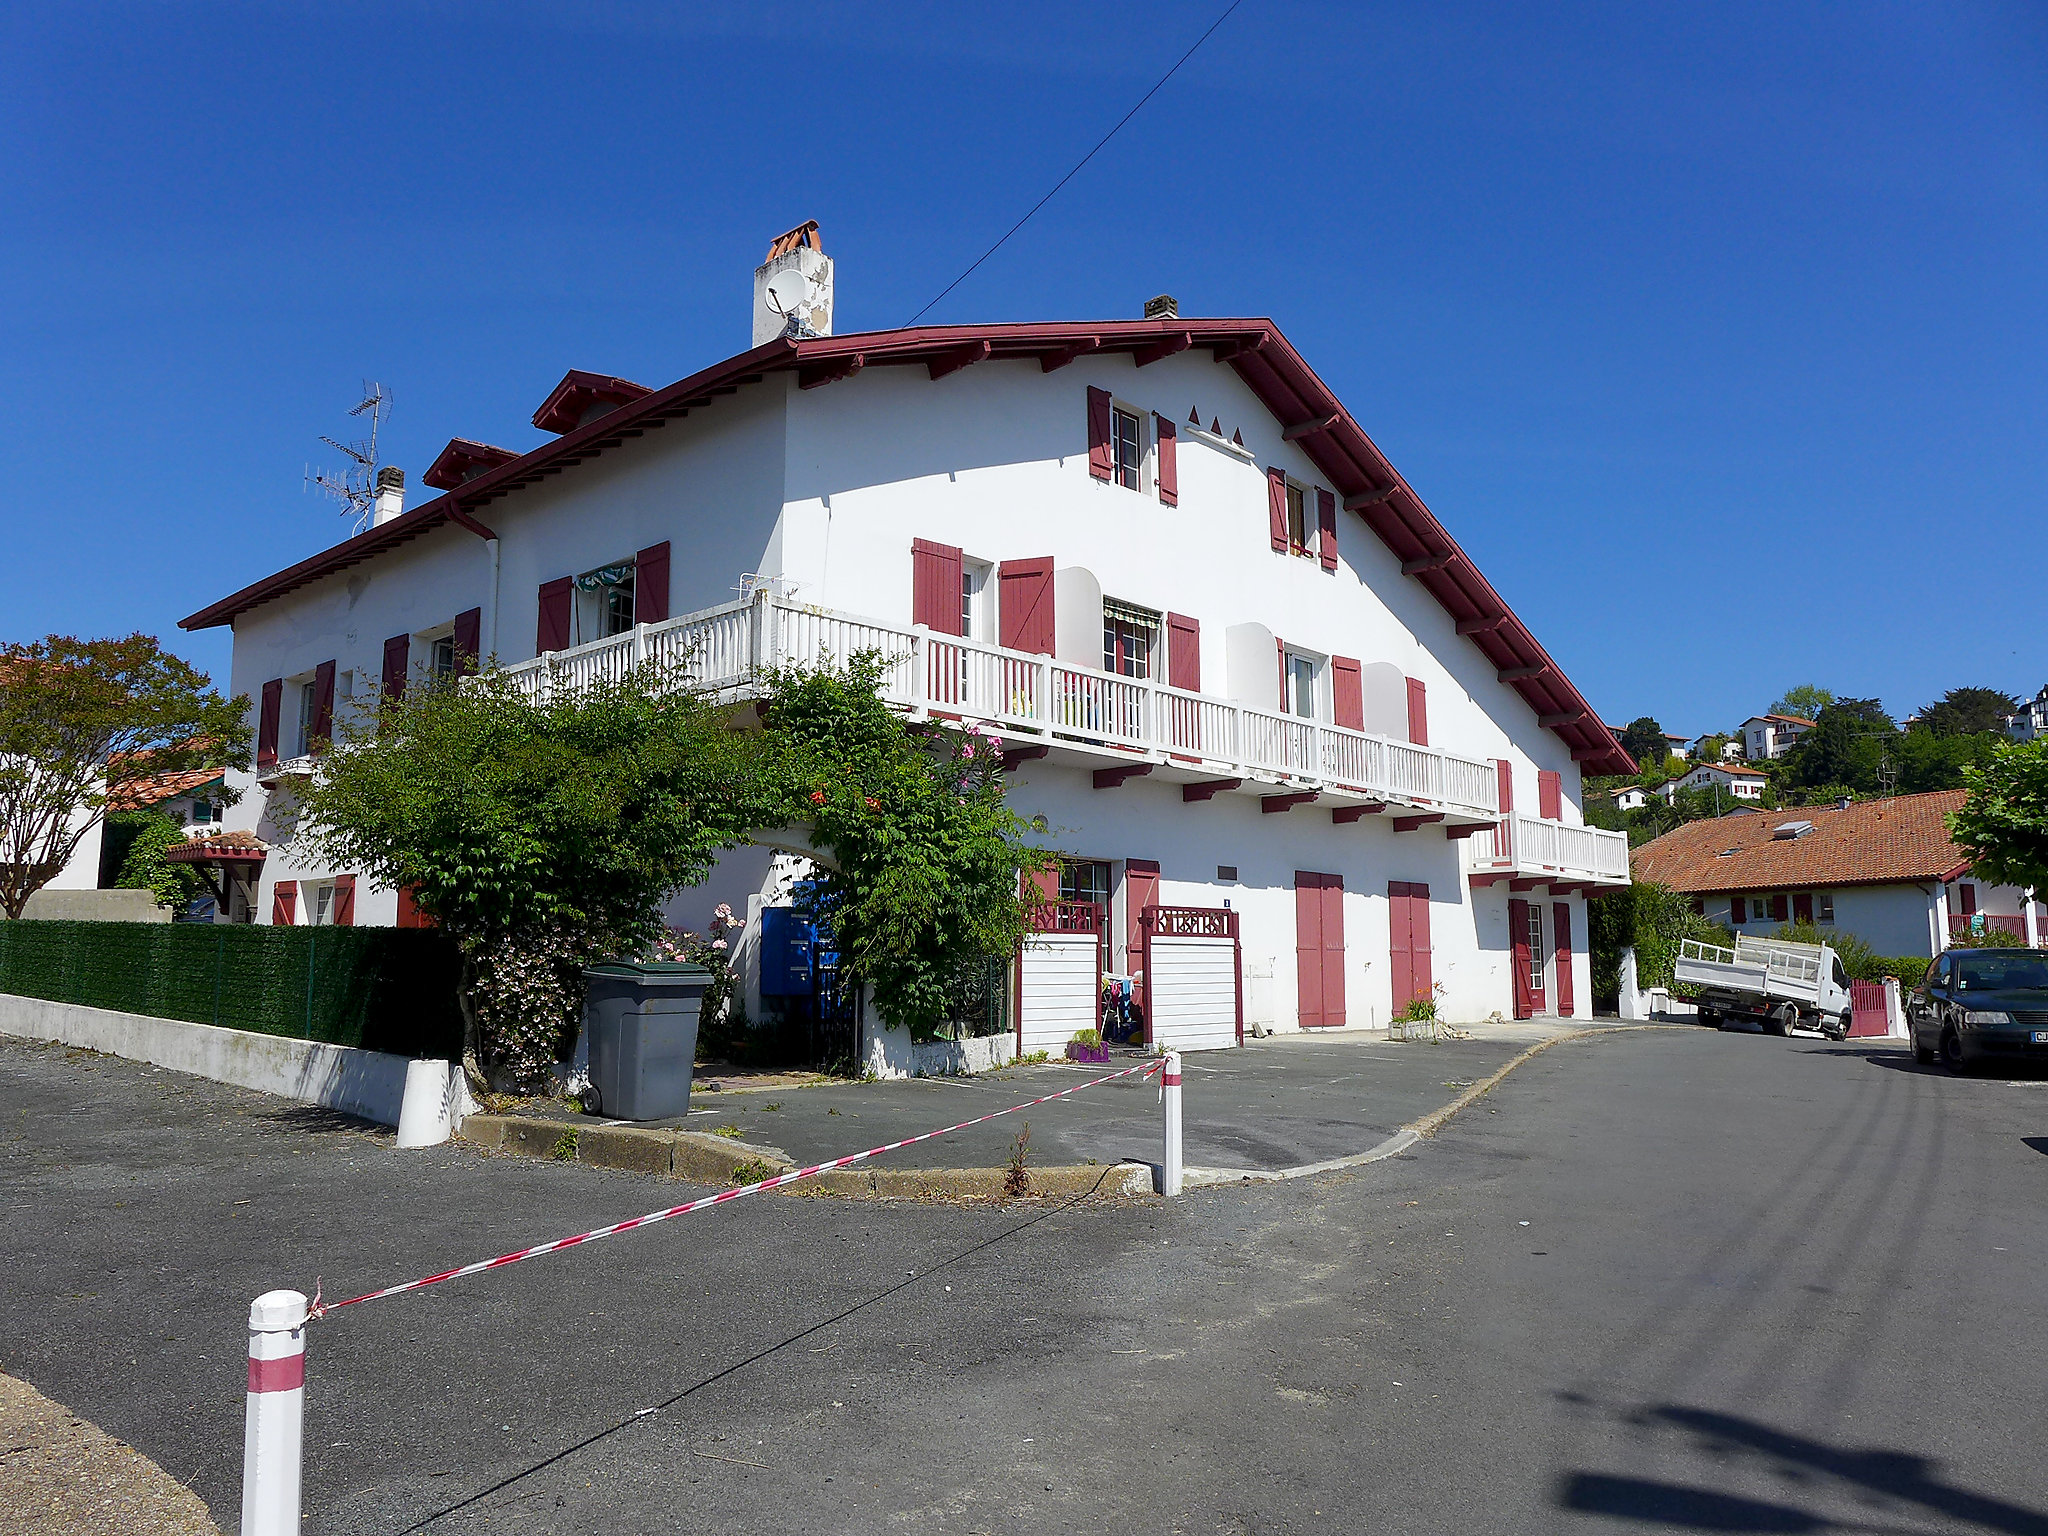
[[1280, 1102]]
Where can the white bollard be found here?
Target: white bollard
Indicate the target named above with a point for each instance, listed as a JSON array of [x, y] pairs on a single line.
[[276, 1414], [1169, 1097], [426, 1114]]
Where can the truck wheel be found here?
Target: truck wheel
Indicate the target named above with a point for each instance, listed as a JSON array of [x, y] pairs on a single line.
[[1707, 1016], [1783, 1020], [1924, 1054]]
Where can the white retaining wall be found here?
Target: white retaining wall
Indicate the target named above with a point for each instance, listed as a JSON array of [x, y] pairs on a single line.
[[370, 1084], [888, 1051]]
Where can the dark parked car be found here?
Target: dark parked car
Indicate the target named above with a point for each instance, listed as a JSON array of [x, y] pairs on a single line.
[[1981, 1005]]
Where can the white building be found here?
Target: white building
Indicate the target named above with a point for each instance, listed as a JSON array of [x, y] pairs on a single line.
[[2032, 720], [1884, 870], [1765, 737], [1742, 782], [1237, 664]]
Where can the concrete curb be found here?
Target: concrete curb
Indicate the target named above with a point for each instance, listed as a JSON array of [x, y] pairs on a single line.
[[704, 1159]]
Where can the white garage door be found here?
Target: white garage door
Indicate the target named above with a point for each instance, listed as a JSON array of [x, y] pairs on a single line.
[[1057, 991], [1194, 993]]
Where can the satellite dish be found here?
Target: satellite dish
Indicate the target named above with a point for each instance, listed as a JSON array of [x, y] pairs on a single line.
[[788, 291]]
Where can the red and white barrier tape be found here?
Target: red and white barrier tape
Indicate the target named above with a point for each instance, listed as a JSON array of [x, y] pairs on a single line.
[[318, 1309]]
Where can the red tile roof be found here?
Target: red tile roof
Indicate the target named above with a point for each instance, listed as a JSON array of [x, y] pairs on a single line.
[[140, 794], [218, 848], [1874, 842], [1264, 359]]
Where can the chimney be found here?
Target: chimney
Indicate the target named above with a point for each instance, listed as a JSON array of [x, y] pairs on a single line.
[[390, 495], [1165, 307], [804, 295]]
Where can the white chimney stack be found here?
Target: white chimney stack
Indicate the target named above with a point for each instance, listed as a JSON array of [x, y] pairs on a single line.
[[801, 303], [390, 495]]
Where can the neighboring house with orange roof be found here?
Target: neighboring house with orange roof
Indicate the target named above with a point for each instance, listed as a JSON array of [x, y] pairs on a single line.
[[191, 798], [1884, 870], [1743, 783]]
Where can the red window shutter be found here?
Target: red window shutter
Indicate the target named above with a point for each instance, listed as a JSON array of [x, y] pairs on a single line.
[[1141, 890], [1418, 712], [1183, 653], [1802, 907], [1561, 922], [321, 727], [1308, 950], [1504, 771], [344, 909], [552, 632], [1326, 526], [1276, 506], [1400, 944], [1518, 946], [1778, 908], [284, 904], [1420, 948], [1550, 795], [1347, 693], [1101, 463], [1024, 604], [469, 629], [1169, 461], [397, 661], [409, 913], [1333, 951], [1738, 911], [935, 586], [266, 723], [650, 584], [1968, 893]]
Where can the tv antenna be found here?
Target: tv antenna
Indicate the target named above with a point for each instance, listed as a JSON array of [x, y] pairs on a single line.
[[788, 294], [356, 487]]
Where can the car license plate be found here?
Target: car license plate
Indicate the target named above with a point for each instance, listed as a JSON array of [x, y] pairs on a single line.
[[2041, 1037]]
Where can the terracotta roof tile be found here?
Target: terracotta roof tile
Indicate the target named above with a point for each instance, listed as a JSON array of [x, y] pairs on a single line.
[[237, 846], [1871, 843], [139, 794]]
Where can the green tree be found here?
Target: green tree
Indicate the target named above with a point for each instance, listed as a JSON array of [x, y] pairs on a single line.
[[1644, 741], [922, 855], [2003, 826], [150, 835], [1652, 919], [1968, 712], [1846, 745], [1806, 701], [1927, 760], [541, 834], [79, 721]]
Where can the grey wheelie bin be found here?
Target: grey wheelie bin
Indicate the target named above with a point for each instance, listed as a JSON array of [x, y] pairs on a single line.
[[640, 1019]]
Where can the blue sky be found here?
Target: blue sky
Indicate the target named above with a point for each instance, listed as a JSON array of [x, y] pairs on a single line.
[[1718, 335]]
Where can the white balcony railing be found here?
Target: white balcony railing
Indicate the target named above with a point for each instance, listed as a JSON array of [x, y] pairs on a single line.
[[1036, 698], [1530, 847]]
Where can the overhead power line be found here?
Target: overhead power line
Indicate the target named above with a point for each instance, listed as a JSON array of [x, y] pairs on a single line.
[[1080, 165]]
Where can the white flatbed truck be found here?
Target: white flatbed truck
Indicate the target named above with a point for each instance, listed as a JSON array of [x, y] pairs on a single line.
[[1774, 982]]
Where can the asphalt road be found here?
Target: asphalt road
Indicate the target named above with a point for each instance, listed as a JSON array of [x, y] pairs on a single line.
[[1763, 1285]]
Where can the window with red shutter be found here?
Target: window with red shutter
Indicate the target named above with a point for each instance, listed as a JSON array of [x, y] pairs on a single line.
[[1550, 794], [284, 904], [1326, 527], [344, 910], [1024, 605], [1347, 693], [320, 729], [551, 632], [1169, 461], [1101, 457], [1738, 911], [1778, 909], [1183, 653], [267, 723], [1968, 893], [397, 661], [935, 571], [468, 639], [1418, 712], [650, 584], [1276, 506]]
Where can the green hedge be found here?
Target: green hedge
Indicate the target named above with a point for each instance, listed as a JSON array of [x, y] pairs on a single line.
[[384, 989]]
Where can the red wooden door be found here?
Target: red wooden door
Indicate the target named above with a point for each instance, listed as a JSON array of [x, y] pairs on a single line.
[[1141, 890], [1408, 942], [1319, 948], [1561, 946], [1525, 947]]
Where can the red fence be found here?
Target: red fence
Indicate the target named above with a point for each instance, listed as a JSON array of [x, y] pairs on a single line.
[[1961, 927], [1867, 1015]]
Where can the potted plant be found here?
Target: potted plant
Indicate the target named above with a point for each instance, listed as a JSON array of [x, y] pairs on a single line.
[[1087, 1045]]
